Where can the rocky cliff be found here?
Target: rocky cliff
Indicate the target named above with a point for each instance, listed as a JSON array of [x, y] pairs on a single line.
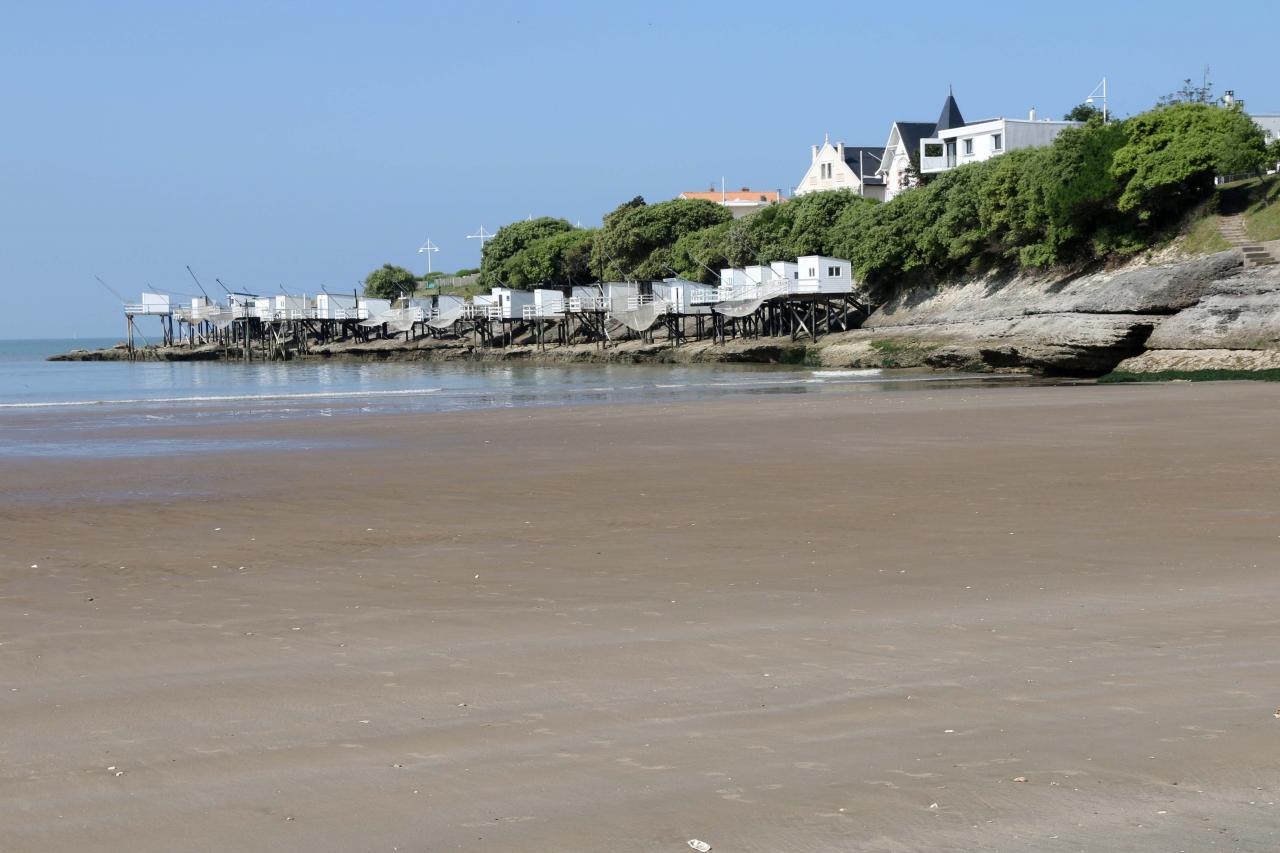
[[1079, 325]]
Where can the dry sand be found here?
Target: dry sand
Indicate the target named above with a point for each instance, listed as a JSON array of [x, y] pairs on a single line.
[[848, 623]]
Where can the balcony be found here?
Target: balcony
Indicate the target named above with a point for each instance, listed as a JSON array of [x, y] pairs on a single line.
[[936, 156]]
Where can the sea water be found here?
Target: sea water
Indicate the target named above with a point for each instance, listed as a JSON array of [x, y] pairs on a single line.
[[83, 397]]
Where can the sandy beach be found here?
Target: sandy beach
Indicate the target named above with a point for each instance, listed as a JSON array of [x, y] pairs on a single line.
[[997, 618]]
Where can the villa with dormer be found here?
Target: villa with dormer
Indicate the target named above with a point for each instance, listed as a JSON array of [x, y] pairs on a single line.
[[844, 167], [903, 147]]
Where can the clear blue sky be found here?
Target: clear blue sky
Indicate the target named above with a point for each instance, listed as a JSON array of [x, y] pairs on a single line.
[[306, 143]]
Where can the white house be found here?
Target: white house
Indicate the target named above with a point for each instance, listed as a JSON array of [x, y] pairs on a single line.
[[508, 304], [1270, 125], [904, 142], [785, 270], [737, 283], [547, 303], [684, 297], [242, 305], [982, 140], [739, 202], [368, 308], [842, 167], [820, 274], [290, 307], [904, 145], [619, 295], [336, 306]]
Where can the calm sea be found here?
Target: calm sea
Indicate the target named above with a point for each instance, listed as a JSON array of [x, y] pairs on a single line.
[[94, 396]]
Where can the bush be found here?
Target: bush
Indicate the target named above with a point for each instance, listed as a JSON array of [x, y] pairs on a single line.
[[511, 239], [390, 282]]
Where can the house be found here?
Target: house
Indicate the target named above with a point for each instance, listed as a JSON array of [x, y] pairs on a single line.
[[336, 306], [684, 297], [547, 303], [1269, 123], [896, 166], [842, 167], [369, 307], [620, 295], [740, 202], [289, 307], [903, 146], [508, 304], [820, 274], [981, 140]]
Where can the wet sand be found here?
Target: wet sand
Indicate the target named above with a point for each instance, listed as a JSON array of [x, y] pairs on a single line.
[[838, 623]]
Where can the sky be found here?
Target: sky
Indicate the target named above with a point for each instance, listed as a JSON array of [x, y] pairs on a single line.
[[303, 144]]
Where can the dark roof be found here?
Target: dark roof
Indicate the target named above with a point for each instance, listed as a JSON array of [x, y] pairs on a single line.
[[911, 132], [864, 166], [950, 115]]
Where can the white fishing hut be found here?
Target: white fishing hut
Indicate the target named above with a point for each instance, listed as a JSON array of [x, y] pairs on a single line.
[[508, 304], [820, 274], [547, 303], [336, 306], [684, 297], [291, 307]]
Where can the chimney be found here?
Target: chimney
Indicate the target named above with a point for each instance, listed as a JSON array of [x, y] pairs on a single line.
[[1229, 97], [1032, 115], [815, 154], [840, 150]]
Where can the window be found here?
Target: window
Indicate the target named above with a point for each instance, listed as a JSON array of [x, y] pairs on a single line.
[[813, 273], [968, 147], [833, 272], [933, 149], [997, 142]]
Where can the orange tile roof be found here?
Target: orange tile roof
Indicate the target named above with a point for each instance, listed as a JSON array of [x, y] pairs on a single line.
[[735, 195]]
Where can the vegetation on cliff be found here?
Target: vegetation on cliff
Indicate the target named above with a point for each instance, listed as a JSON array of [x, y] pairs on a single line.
[[1100, 190]]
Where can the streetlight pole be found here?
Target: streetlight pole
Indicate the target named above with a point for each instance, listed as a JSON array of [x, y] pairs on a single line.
[[426, 249], [1103, 97], [482, 236]]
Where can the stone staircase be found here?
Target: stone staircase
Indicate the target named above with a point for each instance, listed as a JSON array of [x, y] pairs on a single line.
[[1255, 255]]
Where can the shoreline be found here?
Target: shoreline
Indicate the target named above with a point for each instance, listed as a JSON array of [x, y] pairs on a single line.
[[856, 349]]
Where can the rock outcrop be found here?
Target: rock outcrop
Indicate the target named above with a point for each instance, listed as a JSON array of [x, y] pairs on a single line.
[[1080, 325]]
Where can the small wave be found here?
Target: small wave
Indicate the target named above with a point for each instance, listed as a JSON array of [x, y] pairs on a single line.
[[835, 374], [226, 398]]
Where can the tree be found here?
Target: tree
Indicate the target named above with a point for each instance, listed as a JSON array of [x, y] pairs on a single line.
[[559, 261], [912, 176], [510, 239], [637, 239], [390, 282], [1082, 112], [698, 255], [1173, 153], [1190, 93]]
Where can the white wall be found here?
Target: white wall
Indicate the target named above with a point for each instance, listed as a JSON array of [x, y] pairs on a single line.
[[1013, 133], [821, 274], [842, 177]]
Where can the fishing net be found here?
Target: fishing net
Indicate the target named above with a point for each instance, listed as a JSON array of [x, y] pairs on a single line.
[[738, 307], [642, 318], [447, 318]]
